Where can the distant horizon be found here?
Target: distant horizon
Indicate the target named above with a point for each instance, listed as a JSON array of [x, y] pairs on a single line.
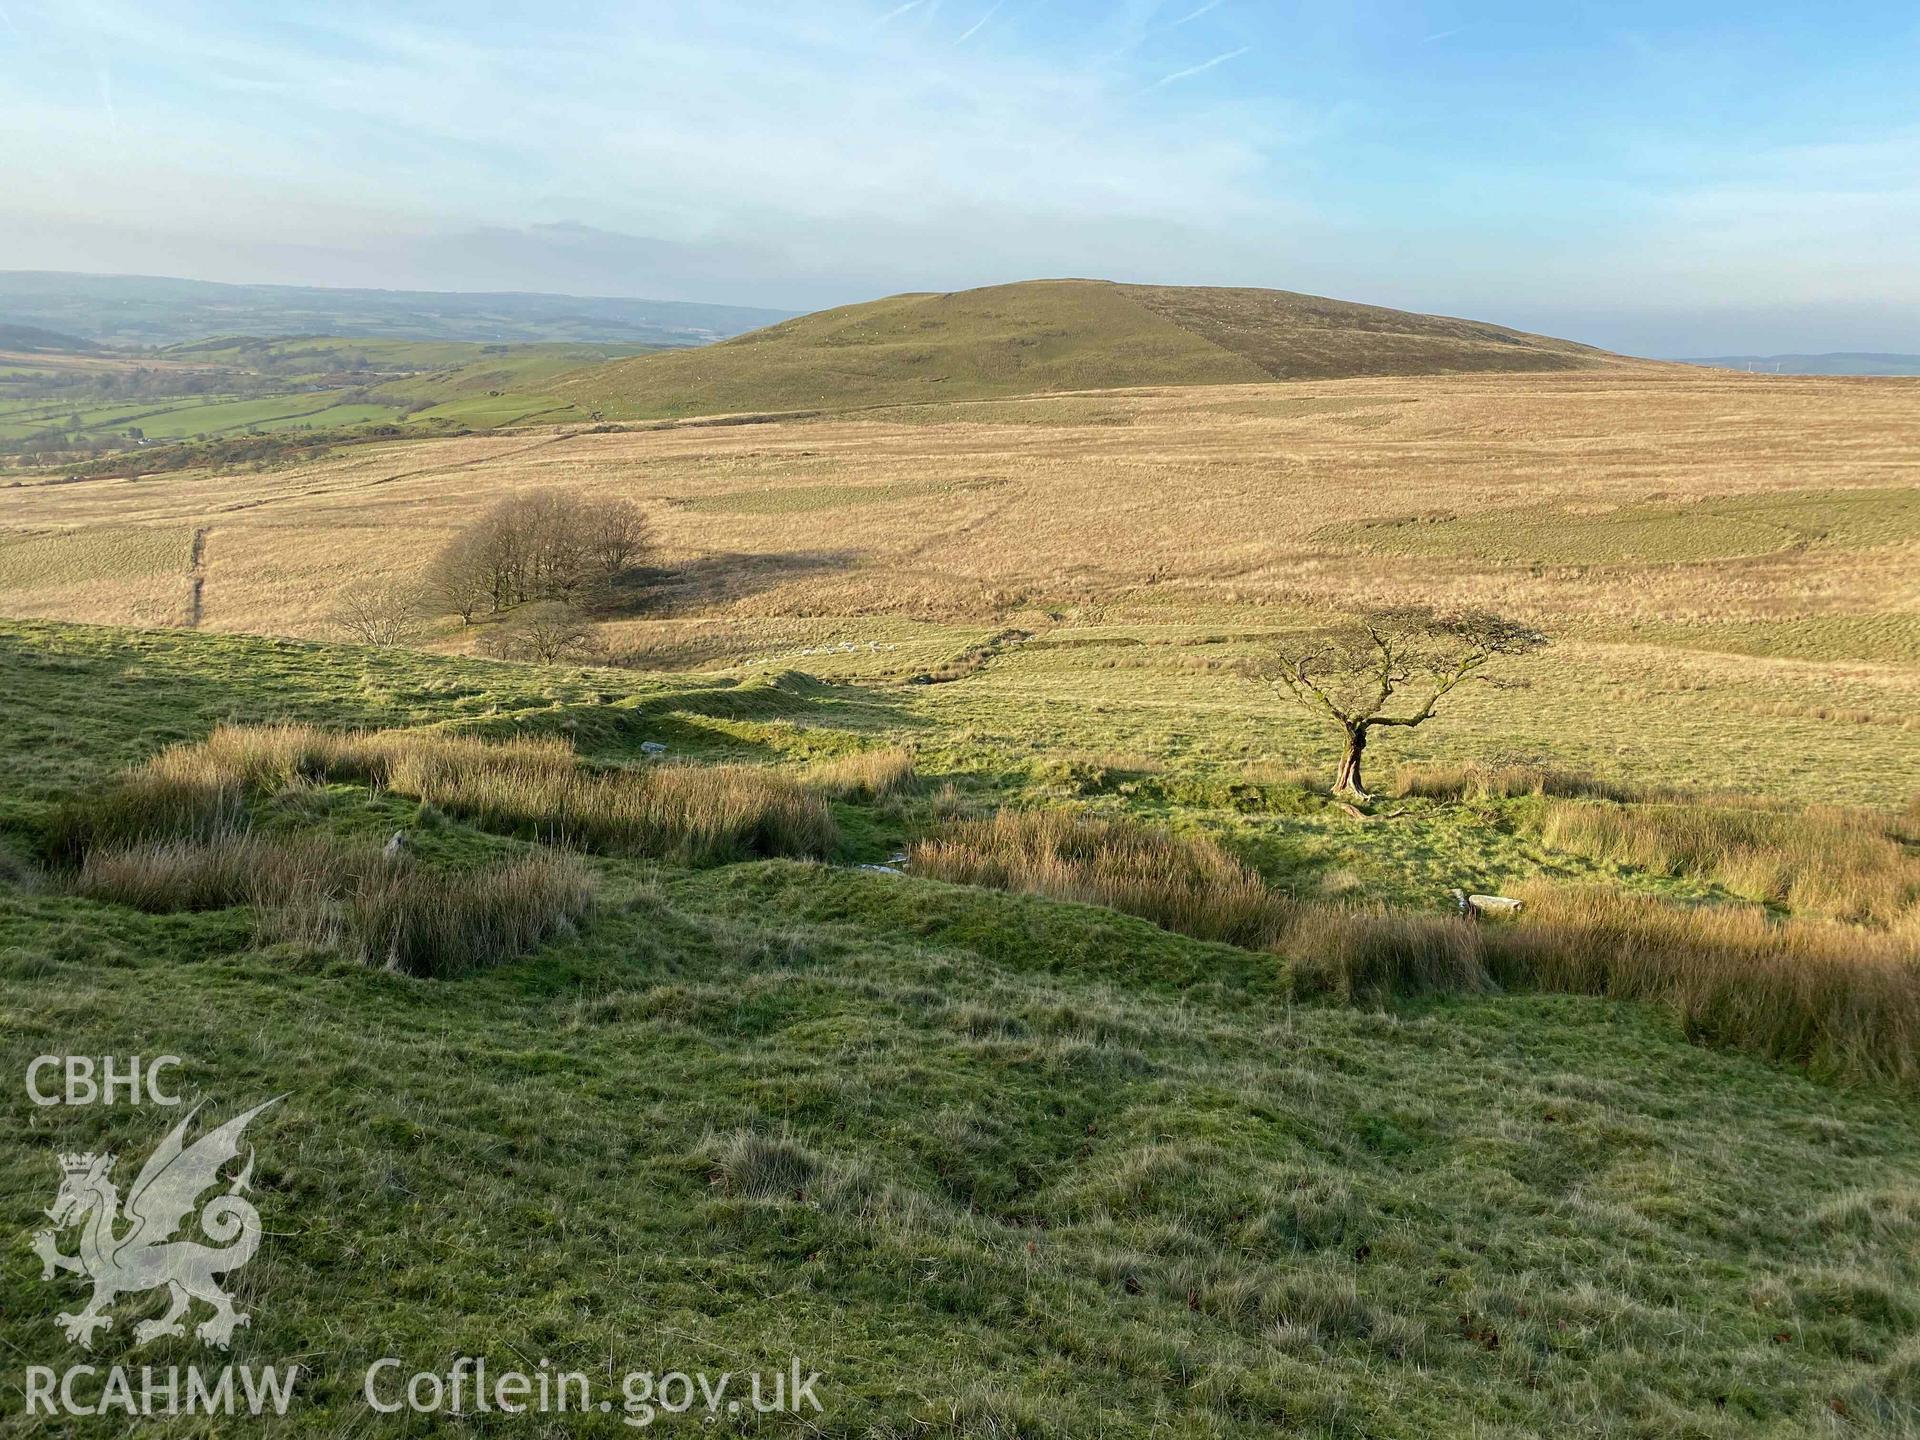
[[1719, 178], [1696, 357]]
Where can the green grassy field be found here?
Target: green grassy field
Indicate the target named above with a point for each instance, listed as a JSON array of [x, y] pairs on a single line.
[[992, 1164], [240, 385]]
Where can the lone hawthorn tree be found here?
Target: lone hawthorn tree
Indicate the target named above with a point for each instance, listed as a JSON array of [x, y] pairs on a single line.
[[1351, 675]]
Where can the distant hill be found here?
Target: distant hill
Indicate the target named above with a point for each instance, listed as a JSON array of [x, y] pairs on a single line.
[[1835, 363], [155, 310], [32, 340], [1048, 335]]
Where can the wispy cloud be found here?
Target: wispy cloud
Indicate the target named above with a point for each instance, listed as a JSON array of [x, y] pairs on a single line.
[[1201, 68], [974, 29], [1191, 15]]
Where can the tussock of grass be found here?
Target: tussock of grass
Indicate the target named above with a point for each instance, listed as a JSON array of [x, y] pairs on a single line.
[[1488, 782], [1836, 999], [865, 775], [324, 891], [1373, 954], [694, 813], [759, 1167], [1824, 861], [436, 924], [165, 876], [1186, 884], [169, 798]]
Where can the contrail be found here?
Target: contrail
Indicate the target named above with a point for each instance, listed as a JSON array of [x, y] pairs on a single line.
[[973, 28], [1196, 69], [1195, 15], [899, 10]]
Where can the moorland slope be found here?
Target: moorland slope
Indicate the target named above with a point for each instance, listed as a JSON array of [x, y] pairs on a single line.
[[1057, 335], [1729, 558], [992, 1164]]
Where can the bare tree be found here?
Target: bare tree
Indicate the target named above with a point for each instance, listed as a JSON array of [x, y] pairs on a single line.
[[459, 580], [546, 631], [1351, 675], [381, 613], [617, 534]]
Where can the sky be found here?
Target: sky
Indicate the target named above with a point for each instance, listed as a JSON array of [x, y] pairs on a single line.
[[1672, 178]]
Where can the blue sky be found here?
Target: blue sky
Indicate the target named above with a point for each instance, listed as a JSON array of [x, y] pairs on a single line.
[[1666, 178]]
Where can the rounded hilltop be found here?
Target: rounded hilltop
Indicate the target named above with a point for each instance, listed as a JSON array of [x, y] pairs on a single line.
[[1055, 335]]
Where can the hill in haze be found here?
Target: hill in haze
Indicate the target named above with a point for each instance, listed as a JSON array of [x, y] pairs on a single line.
[[157, 310], [33, 340], [1836, 363], [1050, 335]]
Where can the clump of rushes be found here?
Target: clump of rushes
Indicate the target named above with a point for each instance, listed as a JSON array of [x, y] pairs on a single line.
[[163, 876], [436, 924], [698, 814], [320, 890], [864, 775], [1822, 861], [1837, 999], [1374, 954], [164, 800], [1181, 882]]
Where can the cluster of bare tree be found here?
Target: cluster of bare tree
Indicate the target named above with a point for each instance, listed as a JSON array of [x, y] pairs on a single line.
[[541, 562], [546, 631], [543, 546]]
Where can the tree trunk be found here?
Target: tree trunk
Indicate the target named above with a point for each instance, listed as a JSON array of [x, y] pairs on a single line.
[[1347, 781]]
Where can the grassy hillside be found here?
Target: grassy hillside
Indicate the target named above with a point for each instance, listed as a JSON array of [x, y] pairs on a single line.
[[1051, 335], [30, 339], [992, 1164]]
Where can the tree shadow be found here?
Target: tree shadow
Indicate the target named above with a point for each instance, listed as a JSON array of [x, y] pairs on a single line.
[[719, 578]]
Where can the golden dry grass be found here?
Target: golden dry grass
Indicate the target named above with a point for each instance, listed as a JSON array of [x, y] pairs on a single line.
[[1826, 861], [1836, 999], [320, 890], [532, 786], [1180, 882], [233, 868], [1185, 523], [864, 775], [1219, 493]]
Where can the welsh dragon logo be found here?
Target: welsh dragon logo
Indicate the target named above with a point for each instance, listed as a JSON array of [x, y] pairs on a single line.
[[145, 1255]]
